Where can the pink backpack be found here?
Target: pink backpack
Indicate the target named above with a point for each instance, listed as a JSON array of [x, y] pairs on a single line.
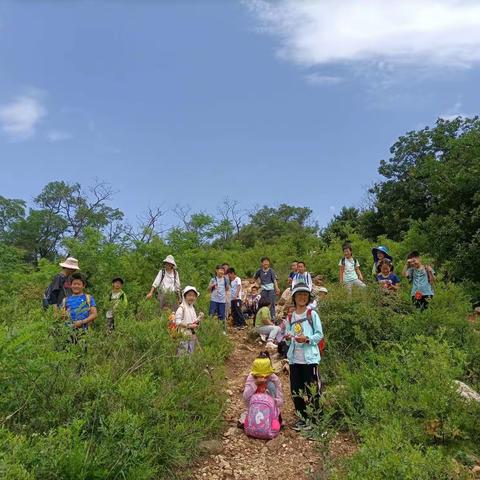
[[262, 417]]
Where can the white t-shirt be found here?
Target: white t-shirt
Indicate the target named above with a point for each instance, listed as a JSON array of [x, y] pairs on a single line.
[[349, 274], [168, 283], [236, 289]]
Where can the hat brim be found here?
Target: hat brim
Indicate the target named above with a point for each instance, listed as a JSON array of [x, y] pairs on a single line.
[[375, 256], [69, 265], [196, 292]]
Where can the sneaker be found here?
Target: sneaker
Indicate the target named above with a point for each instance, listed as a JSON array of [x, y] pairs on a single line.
[[299, 425]]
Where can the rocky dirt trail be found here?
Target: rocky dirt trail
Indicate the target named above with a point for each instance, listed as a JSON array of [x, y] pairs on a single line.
[[235, 456]]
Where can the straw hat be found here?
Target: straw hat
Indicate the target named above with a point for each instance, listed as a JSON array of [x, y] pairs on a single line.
[[71, 263]]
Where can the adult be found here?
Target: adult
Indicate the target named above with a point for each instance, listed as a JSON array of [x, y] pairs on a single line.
[[380, 254], [304, 332], [236, 293], [61, 285], [167, 284], [268, 283], [302, 276]]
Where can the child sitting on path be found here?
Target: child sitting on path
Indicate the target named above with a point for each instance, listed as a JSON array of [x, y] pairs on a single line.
[[187, 320], [265, 326], [262, 379]]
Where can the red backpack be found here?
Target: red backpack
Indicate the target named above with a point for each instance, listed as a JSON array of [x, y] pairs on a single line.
[[321, 343]]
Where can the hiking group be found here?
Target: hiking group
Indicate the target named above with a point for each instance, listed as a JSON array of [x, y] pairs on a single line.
[[289, 322]]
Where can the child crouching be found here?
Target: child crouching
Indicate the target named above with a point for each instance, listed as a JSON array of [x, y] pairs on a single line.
[[187, 320], [262, 379]]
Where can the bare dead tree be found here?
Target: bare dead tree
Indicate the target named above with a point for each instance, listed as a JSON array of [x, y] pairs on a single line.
[[230, 211]]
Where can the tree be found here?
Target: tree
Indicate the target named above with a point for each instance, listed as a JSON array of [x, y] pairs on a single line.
[[78, 208], [11, 211]]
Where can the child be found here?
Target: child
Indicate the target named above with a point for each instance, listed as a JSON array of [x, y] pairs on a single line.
[[349, 272], [267, 281], [236, 291], [218, 295], [60, 286], [293, 271], [264, 324], [187, 320], [386, 278], [262, 379], [422, 278], [380, 254], [251, 301], [116, 298], [167, 282], [302, 276], [304, 332], [79, 310]]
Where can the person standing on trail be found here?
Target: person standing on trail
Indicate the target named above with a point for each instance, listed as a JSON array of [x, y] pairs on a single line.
[[293, 271], [226, 266], [303, 332], [218, 288], [167, 283], [60, 287], [236, 292], [422, 278], [349, 269], [380, 254], [267, 281], [188, 321], [302, 276]]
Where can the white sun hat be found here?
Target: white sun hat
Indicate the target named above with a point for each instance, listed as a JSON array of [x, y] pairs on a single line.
[[170, 260], [71, 263], [323, 289], [189, 288]]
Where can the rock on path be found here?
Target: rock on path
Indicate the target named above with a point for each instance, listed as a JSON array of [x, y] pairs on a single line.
[[235, 456]]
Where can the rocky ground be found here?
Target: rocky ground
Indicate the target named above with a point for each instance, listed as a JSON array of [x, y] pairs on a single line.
[[235, 456]]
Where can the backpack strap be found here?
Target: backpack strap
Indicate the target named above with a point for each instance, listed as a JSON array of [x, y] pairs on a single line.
[[88, 300]]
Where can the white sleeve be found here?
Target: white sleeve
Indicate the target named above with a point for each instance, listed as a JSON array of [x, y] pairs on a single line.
[[179, 315], [158, 278]]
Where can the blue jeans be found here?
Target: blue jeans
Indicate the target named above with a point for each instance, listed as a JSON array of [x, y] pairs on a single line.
[[217, 309]]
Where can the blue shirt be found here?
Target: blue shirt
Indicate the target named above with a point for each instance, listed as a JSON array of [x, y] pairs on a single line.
[[419, 279], [219, 293], [391, 279], [78, 309]]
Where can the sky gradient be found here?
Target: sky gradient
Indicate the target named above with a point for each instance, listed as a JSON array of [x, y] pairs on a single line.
[[191, 102]]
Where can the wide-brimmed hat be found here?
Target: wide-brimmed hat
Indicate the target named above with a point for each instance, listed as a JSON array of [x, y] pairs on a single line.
[[71, 263], [171, 260], [262, 367], [189, 288], [300, 287], [384, 250]]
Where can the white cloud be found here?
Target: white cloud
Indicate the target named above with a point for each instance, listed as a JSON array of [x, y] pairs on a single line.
[[318, 79], [54, 136], [20, 118], [407, 32], [454, 112]]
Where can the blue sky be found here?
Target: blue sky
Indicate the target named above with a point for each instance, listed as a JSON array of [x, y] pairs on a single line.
[[191, 102]]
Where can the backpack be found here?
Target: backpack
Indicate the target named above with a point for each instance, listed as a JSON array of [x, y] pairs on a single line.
[[354, 261], [321, 343], [262, 417], [47, 295]]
